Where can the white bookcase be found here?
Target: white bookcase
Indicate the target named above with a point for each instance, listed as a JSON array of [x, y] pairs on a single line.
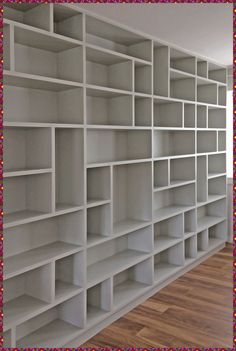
[[114, 167]]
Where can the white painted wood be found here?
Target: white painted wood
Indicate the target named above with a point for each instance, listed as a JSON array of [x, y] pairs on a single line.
[[108, 209]]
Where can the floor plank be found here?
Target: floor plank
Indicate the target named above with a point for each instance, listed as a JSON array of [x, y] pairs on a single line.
[[193, 311]]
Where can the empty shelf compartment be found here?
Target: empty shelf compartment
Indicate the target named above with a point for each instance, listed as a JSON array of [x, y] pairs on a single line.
[[201, 116], [211, 214], [98, 223], [132, 282], [172, 143], [217, 73], [31, 14], [43, 106], [98, 302], [142, 78], [202, 241], [170, 202], [216, 164], [69, 161], [143, 111], [206, 141], [206, 91], [190, 249], [182, 61], [182, 170], [217, 234], [168, 114], [190, 222], [216, 117], [108, 70], [189, 115], [26, 294], [27, 197], [27, 149], [202, 68], [98, 184], [118, 254], [182, 86], [161, 174], [67, 22], [64, 321], [117, 145], [221, 141], [168, 262], [108, 36], [217, 186], [168, 232]]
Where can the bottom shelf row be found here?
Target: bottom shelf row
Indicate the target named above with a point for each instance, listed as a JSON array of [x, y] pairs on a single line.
[[66, 319]]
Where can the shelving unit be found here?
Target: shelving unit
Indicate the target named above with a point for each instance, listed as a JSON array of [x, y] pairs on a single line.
[[114, 170]]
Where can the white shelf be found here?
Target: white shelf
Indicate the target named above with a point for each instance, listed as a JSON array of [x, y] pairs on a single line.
[[112, 265], [37, 82], [207, 221], [114, 170], [126, 292], [45, 337], [37, 257], [20, 309]]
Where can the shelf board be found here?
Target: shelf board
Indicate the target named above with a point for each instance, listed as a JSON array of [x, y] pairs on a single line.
[[128, 225], [216, 175], [22, 217], [189, 260], [100, 91], [117, 163], [163, 270], [170, 211], [67, 208], [94, 315], [214, 242], [26, 80], [115, 127], [208, 221], [34, 258], [173, 157], [118, 54], [97, 202], [65, 290], [19, 173], [126, 292], [188, 234], [179, 74], [164, 242], [20, 309], [211, 198], [101, 270], [40, 125], [174, 184], [95, 239], [52, 335]]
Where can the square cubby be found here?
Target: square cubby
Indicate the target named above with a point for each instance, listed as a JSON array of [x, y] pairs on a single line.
[[167, 113], [67, 22], [217, 234]]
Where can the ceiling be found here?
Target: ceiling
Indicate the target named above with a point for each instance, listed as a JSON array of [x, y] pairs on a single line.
[[206, 29]]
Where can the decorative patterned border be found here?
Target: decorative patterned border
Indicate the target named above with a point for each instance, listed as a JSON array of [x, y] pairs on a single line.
[[1, 166]]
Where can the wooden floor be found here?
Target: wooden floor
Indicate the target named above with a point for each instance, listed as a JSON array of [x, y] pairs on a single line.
[[193, 311]]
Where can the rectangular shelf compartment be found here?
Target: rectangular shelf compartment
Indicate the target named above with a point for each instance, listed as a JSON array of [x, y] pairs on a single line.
[[118, 254], [182, 61], [132, 283], [117, 145], [202, 186], [182, 86], [64, 321], [27, 293], [216, 117], [161, 57], [172, 143], [31, 14], [27, 149], [201, 116], [190, 222], [67, 22], [217, 234], [217, 73], [27, 197], [217, 186], [108, 36], [98, 184], [43, 106], [206, 91], [222, 90], [143, 111], [161, 174], [142, 78], [108, 70], [221, 141], [69, 161], [41, 241], [202, 241], [206, 141], [190, 249], [216, 164], [202, 68], [211, 214], [98, 223], [33, 57], [168, 262], [69, 275], [182, 170], [168, 232], [189, 115], [132, 193], [109, 109], [173, 201], [167, 114]]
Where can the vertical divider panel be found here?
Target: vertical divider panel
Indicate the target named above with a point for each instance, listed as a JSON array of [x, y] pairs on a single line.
[[51, 18], [111, 197], [53, 141], [107, 295], [13, 337]]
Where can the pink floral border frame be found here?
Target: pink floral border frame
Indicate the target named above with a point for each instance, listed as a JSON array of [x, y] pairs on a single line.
[[2, 161]]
